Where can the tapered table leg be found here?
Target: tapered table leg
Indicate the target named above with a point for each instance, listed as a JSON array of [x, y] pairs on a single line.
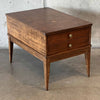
[[10, 49], [46, 73], [87, 58]]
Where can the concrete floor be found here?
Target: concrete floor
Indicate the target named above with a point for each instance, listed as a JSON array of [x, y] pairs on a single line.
[[24, 80]]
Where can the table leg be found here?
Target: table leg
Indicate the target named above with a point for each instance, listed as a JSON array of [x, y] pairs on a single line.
[[10, 49], [87, 58], [46, 73]]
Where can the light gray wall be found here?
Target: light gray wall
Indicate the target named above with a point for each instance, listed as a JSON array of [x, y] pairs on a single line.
[[7, 6], [85, 9]]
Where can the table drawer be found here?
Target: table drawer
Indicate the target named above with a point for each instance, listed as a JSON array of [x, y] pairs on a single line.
[[68, 40]]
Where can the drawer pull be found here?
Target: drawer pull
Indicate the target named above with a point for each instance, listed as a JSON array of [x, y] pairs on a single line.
[[70, 45], [70, 35]]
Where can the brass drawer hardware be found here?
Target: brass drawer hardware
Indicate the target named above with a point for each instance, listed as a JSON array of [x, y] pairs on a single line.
[[70, 45], [70, 35]]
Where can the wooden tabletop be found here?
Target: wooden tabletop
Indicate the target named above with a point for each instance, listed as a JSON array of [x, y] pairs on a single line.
[[47, 20]]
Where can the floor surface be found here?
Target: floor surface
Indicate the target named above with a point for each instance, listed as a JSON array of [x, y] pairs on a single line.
[[24, 78]]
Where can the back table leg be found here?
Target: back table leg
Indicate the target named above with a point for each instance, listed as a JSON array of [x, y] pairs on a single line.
[[87, 58], [10, 49]]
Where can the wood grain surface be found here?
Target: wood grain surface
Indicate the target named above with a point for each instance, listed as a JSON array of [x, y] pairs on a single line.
[[48, 21]]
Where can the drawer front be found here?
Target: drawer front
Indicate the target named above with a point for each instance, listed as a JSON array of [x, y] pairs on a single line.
[[68, 40]]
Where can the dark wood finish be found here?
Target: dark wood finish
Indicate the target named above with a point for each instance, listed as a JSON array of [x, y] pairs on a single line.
[[59, 42], [67, 54], [27, 48], [48, 21], [10, 49], [87, 58], [27, 35], [46, 72], [49, 35]]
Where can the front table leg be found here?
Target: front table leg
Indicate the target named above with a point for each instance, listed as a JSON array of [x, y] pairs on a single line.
[[46, 73], [10, 49], [87, 58]]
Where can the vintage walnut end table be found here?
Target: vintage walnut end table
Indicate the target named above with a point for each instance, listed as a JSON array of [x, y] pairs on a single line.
[[49, 35]]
